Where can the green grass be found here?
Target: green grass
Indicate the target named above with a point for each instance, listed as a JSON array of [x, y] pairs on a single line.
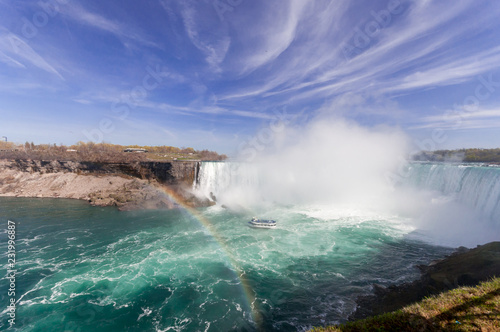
[[461, 309]]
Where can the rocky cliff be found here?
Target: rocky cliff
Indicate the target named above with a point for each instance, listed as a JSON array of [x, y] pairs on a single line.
[[463, 268], [171, 173], [126, 185]]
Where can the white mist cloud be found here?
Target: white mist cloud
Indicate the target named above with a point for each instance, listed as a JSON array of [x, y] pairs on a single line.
[[443, 220], [335, 170], [332, 161], [328, 161]]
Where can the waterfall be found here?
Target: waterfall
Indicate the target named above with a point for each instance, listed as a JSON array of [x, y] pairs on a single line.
[[476, 186], [196, 178], [227, 181], [447, 204]]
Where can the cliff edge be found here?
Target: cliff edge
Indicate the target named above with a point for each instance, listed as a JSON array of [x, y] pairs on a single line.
[[135, 185], [463, 268]]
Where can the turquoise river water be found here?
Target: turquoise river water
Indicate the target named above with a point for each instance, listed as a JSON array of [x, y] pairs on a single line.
[[84, 268]]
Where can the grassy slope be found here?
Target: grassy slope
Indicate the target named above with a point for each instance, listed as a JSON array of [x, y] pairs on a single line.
[[461, 309]]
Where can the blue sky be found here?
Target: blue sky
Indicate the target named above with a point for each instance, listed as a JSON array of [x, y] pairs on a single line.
[[212, 73]]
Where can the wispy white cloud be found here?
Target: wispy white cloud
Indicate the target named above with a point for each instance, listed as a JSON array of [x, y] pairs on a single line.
[[15, 51], [214, 49], [461, 119], [466, 124], [19, 87], [96, 21], [83, 101], [123, 32], [214, 110], [275, 35], [449, 70], [10, 61], [411, 53], [290, 59]]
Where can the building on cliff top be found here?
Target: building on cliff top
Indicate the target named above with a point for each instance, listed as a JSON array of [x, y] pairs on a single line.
[[135, 150]]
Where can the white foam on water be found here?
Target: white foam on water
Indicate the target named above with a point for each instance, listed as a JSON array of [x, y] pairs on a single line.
[[145, 312]]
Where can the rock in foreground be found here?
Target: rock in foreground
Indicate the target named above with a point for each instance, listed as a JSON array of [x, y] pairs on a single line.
[[463, 268]]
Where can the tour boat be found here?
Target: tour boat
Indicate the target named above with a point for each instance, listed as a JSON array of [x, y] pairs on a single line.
[[257, 223]]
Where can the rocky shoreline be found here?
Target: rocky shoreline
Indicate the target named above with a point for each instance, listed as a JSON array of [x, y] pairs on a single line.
[[138, 185], [463, 268]]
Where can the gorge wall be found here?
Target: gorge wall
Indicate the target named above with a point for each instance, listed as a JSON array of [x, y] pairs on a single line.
[[126, 185], [170, 173]]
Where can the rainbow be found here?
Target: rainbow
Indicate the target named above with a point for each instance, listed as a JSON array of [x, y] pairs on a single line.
[[205, 223]]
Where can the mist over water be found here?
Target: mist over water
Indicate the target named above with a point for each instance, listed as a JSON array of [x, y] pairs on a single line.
[[453, 204], [337, 170], [327, 162]]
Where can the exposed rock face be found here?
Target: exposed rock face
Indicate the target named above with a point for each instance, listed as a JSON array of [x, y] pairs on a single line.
[[164, 172], [173, 173], [463, 268], [126, 185]]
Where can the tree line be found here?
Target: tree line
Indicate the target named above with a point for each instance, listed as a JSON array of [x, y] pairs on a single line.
[[102, 152], [460, 155]]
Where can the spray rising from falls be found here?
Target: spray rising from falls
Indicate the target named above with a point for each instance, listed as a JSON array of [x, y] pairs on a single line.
[[455, 204], [328, 162], [344, 170], [476, 187], [452, 204]]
